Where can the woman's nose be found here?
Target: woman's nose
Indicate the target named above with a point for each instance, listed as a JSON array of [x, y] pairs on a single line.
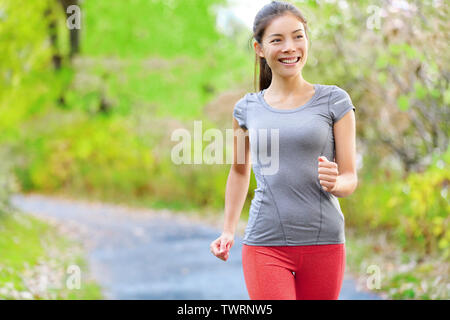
[[289, 46]]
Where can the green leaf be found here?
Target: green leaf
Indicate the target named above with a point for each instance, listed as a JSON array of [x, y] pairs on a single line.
[[411, 53], [403, 102], [447, 97], [421, 91], [435, 93], [382, 61], [382, 77], [395, 48]]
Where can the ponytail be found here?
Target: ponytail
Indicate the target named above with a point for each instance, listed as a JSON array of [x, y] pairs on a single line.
[[265, 74]]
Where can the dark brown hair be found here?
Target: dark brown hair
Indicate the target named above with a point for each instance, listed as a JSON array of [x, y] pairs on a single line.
[[263, 18]]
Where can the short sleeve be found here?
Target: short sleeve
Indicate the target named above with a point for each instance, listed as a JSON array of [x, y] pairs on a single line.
[[340, 103], [240, 112]]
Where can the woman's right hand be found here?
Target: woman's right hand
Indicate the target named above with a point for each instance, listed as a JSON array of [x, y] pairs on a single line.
[[222, 245]]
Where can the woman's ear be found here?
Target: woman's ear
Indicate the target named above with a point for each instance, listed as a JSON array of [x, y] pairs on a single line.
[[258, 49]]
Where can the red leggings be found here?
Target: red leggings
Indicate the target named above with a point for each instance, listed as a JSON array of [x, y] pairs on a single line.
[[319, 271]]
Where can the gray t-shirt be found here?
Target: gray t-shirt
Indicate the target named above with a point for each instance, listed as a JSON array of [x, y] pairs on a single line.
[[289, 207]]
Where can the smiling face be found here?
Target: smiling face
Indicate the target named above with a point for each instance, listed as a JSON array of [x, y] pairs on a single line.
[[284, 45]]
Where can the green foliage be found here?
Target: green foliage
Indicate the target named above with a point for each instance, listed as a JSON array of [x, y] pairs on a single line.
[[87, 157], [101, 154], [28, 84], [23, 32], [142, 28], [425, 220], [33, 250], [414, 209], [403, 102]]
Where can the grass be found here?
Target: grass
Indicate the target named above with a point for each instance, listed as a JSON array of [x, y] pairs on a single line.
[[36, 260]]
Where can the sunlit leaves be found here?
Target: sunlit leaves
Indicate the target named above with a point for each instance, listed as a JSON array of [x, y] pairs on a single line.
[[403, 102], [141, 28], [420, 90]]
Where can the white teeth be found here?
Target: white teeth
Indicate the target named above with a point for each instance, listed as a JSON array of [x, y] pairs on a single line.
[[290, 61]]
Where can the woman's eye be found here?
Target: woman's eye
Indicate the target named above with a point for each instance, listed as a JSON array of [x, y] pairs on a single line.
[[275, 40]]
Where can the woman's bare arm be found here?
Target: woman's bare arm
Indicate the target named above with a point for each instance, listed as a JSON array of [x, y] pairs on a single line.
[[238, 179], [345, 141]]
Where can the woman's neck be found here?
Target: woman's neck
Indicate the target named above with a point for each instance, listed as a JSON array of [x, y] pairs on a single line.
[[288, 86]]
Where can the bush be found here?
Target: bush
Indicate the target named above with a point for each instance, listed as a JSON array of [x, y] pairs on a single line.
[[415, 209]]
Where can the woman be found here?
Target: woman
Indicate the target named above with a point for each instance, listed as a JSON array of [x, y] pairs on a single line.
[[294, 243]]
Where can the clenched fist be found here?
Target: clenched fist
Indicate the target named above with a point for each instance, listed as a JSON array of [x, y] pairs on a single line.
[[222, 245], [328, 173]]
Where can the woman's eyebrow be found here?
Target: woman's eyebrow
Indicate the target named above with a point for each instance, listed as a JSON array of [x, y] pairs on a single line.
[[277, 34]]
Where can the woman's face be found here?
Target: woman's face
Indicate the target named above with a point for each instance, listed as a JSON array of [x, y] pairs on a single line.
[[284, 37]]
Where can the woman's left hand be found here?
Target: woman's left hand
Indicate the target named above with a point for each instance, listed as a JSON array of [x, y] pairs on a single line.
[[328, 174]]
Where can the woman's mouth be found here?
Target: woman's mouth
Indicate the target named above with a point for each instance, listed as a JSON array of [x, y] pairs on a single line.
[[289, 61]]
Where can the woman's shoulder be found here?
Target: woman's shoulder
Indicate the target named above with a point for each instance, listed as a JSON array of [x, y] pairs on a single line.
[[247, 98], [339, 101], [333, 89], [252, 95], [242, 106]]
